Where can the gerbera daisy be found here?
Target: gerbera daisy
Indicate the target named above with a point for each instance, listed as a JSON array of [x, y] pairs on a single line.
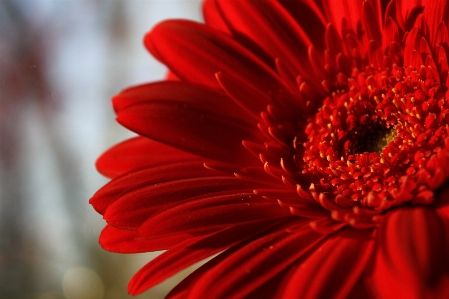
[[303, 144]]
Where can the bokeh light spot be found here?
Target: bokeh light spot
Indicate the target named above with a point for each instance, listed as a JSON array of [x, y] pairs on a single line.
[[82, 283]]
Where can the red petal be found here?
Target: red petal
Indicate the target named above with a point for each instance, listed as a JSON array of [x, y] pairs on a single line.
[[196, 131], [214, 18], [132, 209], [410, 254], [412, 44], [360, 290], [375, 54], [317, 62], [250, 267], [244, 95], [333, 269], [258, 175], [269, 25], [442, 36], [435, 12], [193, 95], [309, 17], [187, 253], [441, 205], [146, 177], [334, 43], [408, 6], [288, 78], [181, 290], [134, 154], [127, 241], [371, 23], [390, 34], [195, 52], [211, 214], [172, 77], [335, 11]]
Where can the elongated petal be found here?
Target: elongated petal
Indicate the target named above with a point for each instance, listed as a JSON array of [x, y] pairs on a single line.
[[214, 18], [310, 17], [268, 24], [193, 95], [146, 177], [251, 266], [193, 130], [442, 206], [131, 209], [167, 264], [137, 153], [371, 22], [182, 289], [244, 95], [335, 11], [410, 254], [181, 44], [212, 213], [435, 12], [128, 241], [188, 253], [333, 269]]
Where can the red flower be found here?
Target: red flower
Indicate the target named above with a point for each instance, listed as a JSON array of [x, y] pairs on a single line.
[[340, 187]]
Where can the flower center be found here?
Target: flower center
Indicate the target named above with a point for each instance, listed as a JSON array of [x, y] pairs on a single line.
[[378, 141], [373, 137]]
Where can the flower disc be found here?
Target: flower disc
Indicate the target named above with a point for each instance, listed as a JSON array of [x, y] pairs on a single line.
[[378, 141]]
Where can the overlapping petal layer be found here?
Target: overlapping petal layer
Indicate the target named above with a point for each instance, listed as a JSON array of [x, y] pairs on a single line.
[[305, 145]]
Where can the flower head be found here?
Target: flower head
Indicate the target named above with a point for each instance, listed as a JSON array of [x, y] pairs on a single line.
[[304, 143]]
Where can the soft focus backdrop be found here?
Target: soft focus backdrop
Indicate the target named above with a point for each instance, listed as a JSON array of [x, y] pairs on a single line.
[[60, 63]]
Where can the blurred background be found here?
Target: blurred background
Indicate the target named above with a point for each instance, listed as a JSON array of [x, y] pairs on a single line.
[[60, 63]]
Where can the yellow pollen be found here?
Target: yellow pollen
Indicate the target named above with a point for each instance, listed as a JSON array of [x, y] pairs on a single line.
[[395, 103]]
